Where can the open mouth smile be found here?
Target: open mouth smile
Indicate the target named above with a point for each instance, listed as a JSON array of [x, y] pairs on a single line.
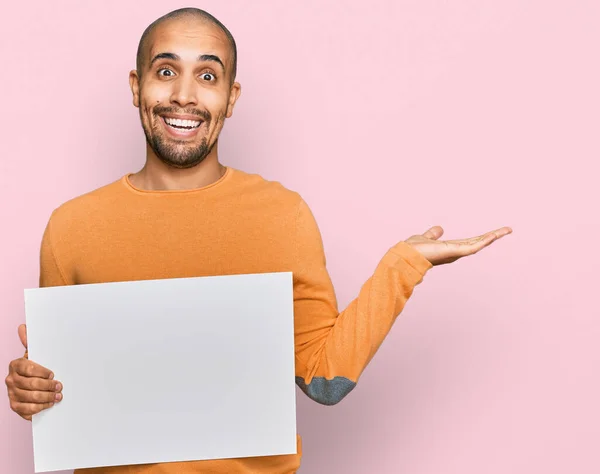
[[181, 127]]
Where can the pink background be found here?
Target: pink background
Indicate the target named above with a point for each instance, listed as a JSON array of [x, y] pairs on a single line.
[[388, 118]]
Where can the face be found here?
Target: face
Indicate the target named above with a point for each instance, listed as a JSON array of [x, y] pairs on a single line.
[[185, 91]]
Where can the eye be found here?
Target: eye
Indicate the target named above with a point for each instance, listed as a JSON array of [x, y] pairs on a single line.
[[165, 72], [208, 76]]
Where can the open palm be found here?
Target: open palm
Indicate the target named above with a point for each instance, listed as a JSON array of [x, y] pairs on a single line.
[[439, 252]]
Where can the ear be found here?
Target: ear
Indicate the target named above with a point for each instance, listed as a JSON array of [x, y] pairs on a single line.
[[134, 84], [234, 93]]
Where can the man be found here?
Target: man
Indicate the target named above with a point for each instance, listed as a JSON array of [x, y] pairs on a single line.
[[184, 214]]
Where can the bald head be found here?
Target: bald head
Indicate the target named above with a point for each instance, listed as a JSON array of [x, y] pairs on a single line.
[[183, 14]]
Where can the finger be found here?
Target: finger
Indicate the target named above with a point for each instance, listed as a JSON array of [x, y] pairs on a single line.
[[492, 235], [434, 233], [23, 335], [27, 368], [474, 245], [498, 233], [28, 396], [35, 383], [29, 409]]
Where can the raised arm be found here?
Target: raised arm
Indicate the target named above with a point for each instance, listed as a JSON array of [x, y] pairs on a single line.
[[333, 348]]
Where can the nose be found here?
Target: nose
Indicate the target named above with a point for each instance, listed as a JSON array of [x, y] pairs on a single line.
[[184, 92]]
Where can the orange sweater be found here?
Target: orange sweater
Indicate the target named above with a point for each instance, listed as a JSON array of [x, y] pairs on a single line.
[[240, 224]]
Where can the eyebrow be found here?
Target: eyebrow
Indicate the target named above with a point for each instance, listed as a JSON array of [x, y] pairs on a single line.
[[175, 57]]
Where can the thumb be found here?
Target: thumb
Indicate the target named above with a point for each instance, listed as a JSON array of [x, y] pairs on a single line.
[[23, 335], [434, 233]]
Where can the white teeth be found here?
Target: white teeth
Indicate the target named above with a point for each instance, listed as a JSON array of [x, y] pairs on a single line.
[[182, 123]]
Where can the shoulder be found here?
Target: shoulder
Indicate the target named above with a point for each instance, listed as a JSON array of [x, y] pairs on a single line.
[[96, 204], [253, 186]]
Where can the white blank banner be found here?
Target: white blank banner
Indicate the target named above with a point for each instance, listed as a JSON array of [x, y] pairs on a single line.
[[165, 370]]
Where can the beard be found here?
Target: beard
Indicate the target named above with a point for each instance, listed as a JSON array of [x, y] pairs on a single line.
[[179, 154]]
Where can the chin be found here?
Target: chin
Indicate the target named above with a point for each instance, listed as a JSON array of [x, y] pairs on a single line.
[[179, 163], [179, 155]]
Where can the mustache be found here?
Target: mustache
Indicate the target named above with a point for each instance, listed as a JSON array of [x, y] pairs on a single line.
[[205, 115]]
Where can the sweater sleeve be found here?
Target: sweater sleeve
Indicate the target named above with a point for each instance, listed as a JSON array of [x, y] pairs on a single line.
[[333, 348], [50, 272]]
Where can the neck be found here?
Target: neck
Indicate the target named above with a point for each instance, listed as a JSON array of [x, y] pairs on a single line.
[[158, 176]]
